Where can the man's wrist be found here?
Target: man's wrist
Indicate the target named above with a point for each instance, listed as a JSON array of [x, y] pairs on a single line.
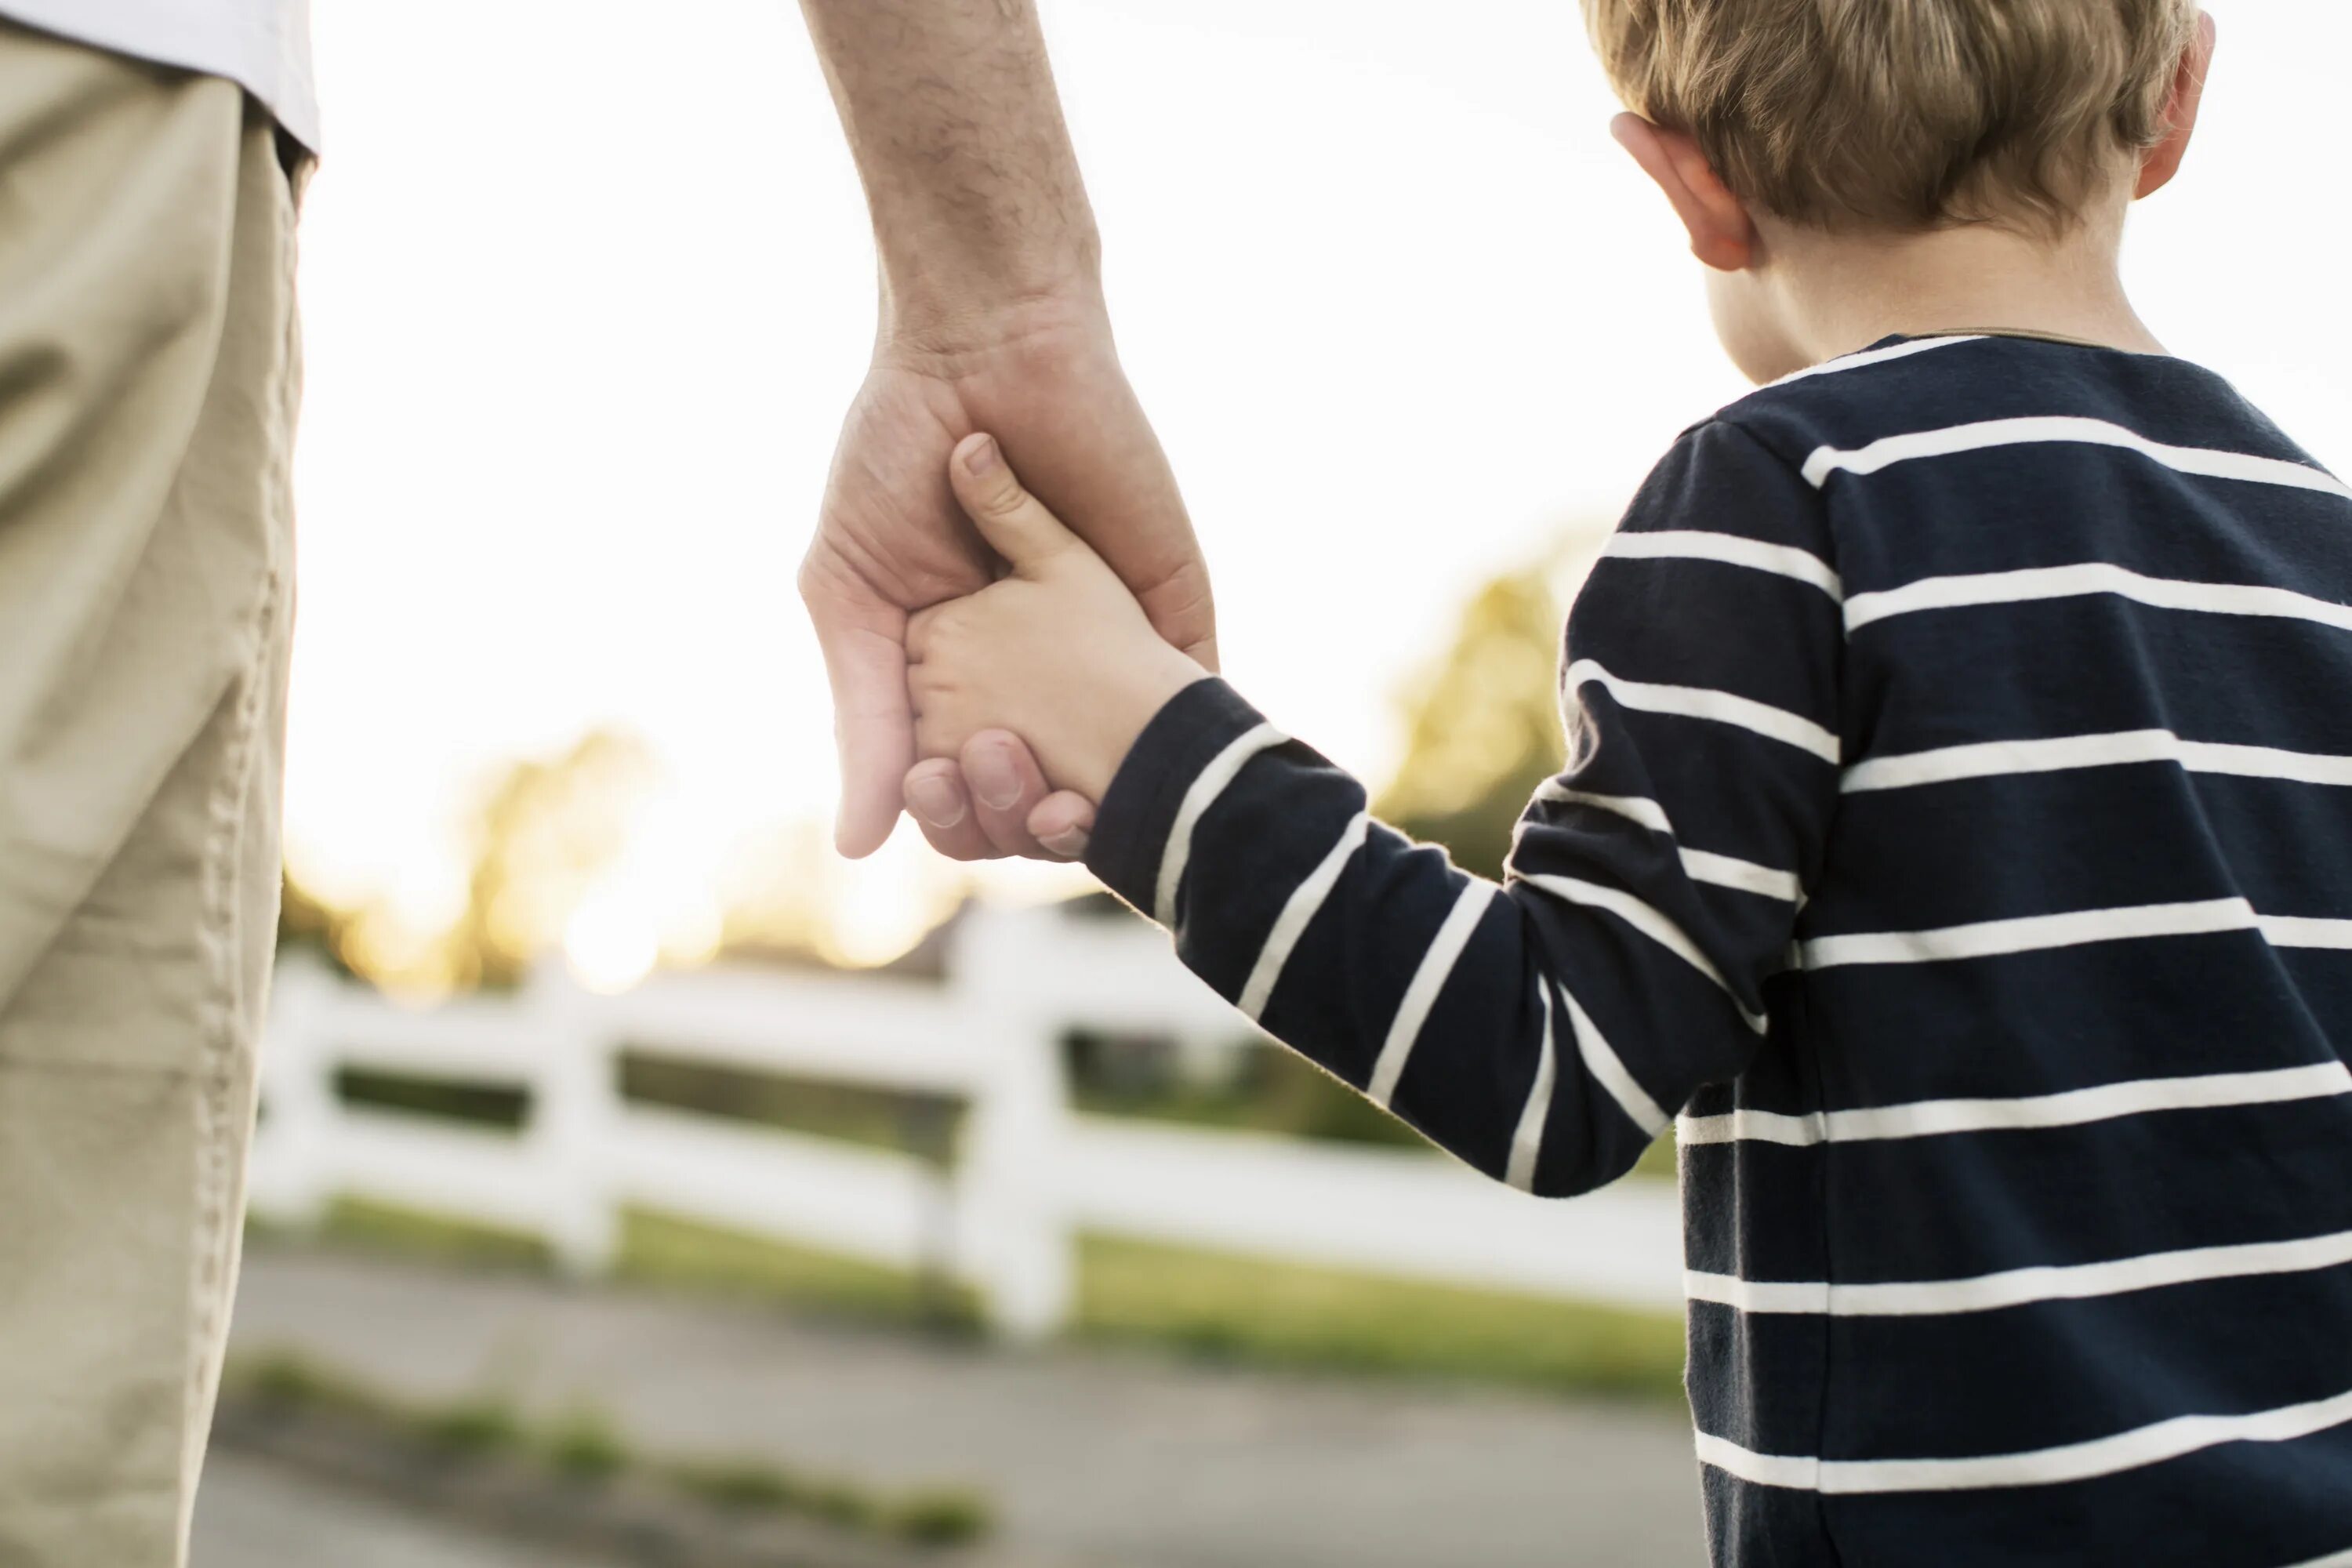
[[1053, 313]]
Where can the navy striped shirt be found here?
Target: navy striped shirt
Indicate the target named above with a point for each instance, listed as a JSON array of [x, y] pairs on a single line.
[[1959, 842]]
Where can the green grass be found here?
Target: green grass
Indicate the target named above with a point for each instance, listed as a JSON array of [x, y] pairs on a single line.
[[282, 1380], [930, 1516], [754, 1489], [582, 1446], [386, 1228], [503, 1105], [1275, 1091], [1213, 1305], [472, 1427], [1657, 1161], [924, 1125], [662, 1249], [1245, 1310], [942, 1518], [762, 1489]]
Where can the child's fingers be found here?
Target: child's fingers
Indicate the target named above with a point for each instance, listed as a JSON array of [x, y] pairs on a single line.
[[1015, 523]]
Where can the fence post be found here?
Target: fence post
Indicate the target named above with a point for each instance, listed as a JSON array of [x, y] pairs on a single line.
[[290, 1177], [575, 1111], [1013, 1232]]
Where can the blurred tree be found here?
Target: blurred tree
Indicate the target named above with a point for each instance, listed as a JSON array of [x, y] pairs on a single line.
[[542, 835], [777, 903], [1484, 724], [309, 923]]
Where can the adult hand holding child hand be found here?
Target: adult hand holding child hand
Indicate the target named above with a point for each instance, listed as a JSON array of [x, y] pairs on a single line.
[[1057, 652]]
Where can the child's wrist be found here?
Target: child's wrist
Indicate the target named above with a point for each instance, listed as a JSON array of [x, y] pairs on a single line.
[[1131, 705], [1134, 818]]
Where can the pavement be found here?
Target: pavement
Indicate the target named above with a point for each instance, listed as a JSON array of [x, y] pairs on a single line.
[[251, 1514], [1094, 1459]]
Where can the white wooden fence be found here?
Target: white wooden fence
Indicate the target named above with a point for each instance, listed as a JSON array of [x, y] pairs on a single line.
[[1028, 1174]]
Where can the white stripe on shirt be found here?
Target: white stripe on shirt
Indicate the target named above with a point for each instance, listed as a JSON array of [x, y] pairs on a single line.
[[1632, 808], [2303, 931], [1698, 865], [1876, 356], [2203, 461], [1703, 702], [2068, 1108], [2333, 1559], [1306, 900], [1992, 758], [1645, 919], [1207, 785], [1527, 1139], [1728, 871], [2021, 1286], [1428, 981], [2130, 1450], [1608, 1069], [2031, 933], [2035, 933], [1731, 550], [2090, 577]]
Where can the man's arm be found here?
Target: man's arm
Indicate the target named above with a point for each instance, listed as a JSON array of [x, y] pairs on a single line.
[[951, 113], [992, 316]]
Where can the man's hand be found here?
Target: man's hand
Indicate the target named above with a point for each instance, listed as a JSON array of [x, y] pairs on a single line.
[[991, 319], [1057, 651], [892, 540]]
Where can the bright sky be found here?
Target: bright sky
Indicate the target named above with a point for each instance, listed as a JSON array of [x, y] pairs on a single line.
[[587, 285]]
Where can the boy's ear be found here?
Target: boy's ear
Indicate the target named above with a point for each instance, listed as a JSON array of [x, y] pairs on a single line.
[[2161, 162], [1721, 234]]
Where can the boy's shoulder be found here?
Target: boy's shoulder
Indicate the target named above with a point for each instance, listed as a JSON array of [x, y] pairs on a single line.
[[1917, 386], [1929, 457], [1997, 416], [1761, 450]]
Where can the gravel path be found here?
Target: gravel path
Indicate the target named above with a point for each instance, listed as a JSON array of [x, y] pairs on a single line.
[[1093, 1458]]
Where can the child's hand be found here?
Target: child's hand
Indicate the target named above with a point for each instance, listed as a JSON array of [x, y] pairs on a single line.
[[1057, 651]]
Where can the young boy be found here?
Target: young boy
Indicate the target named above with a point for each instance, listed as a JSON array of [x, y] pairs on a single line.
[[1958, 835]]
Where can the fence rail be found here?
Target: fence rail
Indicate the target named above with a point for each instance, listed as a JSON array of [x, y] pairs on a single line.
[[1029, 1173]]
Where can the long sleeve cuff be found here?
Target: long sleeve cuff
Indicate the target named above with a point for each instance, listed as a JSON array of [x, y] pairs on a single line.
[[1139, 813]]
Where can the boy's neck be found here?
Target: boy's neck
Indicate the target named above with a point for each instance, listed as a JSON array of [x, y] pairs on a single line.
[[1844, 292]]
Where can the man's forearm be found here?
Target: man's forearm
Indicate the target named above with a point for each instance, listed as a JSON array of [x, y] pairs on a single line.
[[952, 114]]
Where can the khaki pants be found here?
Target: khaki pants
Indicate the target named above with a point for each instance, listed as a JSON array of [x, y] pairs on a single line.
[[148, 379]]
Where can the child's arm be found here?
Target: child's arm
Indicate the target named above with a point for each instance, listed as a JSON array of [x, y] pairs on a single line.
[[1544, 1031]]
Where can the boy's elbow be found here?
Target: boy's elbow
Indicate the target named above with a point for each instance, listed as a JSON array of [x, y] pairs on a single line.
[[1572, 1174]]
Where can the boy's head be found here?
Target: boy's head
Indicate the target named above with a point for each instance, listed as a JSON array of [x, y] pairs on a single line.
[[1900, 117]]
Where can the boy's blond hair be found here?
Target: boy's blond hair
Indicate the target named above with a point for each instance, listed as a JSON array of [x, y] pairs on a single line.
[[1904, 114]]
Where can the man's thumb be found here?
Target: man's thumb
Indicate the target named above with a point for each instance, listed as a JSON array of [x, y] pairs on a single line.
[[1014, 522]]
